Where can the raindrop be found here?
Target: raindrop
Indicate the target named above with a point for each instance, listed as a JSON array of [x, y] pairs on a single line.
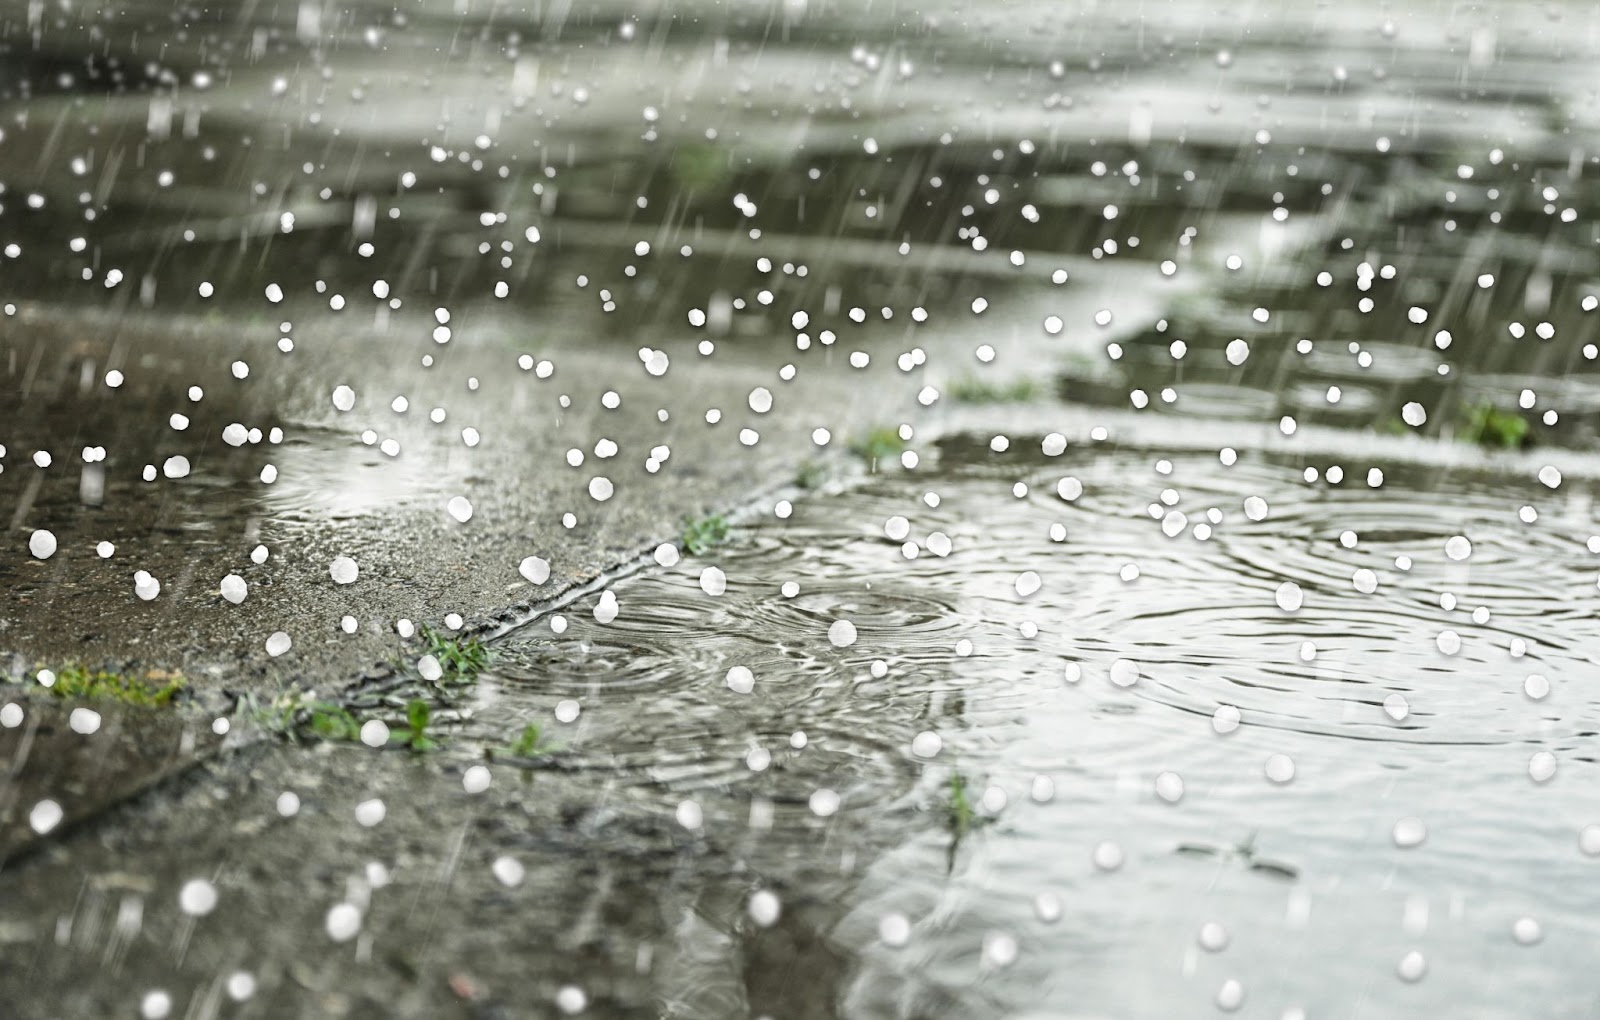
[[343, 922], [1409, 832], [1289, 597], [42, 544], [198, 897]]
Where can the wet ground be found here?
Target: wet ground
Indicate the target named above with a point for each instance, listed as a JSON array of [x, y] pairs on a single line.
[[1211, 636]]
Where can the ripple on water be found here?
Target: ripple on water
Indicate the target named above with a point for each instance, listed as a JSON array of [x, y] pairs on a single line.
[[1018, 685]]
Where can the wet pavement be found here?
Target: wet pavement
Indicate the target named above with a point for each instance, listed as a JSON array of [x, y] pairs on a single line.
[[1207, 334]]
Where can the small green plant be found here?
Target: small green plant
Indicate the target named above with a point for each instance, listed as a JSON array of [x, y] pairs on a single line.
[[959, 815], [811, 475], [156, 688], [1391, 426], [331, 722], [277, 716], [699, 167], [462, 659], [414, 734], [701, 533], [880, 444], [529, 743], [1495, 429], [970, 390]]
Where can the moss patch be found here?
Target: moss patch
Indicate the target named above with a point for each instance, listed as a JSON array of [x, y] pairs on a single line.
[[154, 689]]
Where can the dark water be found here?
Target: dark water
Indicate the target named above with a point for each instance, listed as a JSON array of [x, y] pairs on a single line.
[[1340, 260]]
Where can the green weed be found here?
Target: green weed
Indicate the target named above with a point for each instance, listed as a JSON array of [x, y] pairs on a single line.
[[699, 167], [156, 688], [700, 534], [414, 734], [970, 390], [529, 743], [1494, 429], [811, 475], [462, 659], [331, 722], [959, 815], [879, 444]]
